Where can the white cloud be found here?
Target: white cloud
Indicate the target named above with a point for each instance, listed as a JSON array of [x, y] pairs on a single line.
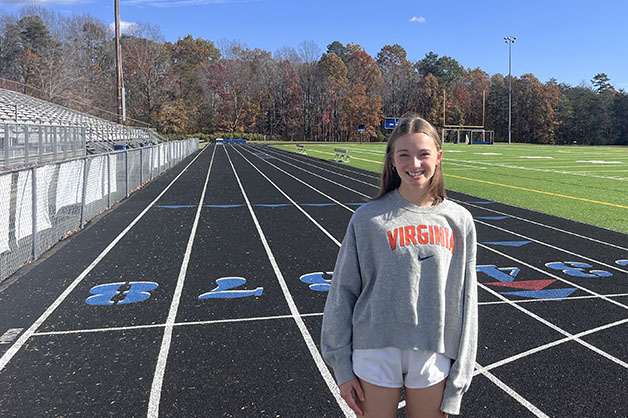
[[419, 19], [125, 27]]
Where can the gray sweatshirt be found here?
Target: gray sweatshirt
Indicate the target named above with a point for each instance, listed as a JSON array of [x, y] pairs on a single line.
[[405, 277]]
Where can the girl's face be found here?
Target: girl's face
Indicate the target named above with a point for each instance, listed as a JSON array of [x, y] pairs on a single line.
[[415, 158]]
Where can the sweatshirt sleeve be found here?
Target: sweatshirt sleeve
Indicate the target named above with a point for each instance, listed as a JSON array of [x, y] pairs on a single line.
[[461, 370], [337, 330]]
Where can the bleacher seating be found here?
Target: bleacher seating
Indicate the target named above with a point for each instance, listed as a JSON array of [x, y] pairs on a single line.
[[101, 135]]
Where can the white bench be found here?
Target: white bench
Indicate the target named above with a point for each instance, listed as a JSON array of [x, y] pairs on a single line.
[[341, 155]]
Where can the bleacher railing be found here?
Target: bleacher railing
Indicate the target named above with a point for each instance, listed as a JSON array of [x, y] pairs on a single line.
[[28, 144], [41, 205]]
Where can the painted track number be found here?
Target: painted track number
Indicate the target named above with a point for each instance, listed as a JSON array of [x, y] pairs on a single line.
[[577, 269], [121, 293], [225, 286], [319, 281]]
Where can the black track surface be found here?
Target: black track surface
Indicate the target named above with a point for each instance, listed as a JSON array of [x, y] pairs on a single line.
[[556, 351]]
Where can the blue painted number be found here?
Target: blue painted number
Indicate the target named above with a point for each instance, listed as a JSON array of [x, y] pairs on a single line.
[[622, 262], [121, 293], [577, 269], [225, 284], [502, 274], [319, 281]]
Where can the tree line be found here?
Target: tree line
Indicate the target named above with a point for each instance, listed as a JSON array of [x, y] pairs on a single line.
[[196, 86]]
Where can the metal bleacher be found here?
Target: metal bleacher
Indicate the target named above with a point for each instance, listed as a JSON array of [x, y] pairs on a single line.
[[19, 110]]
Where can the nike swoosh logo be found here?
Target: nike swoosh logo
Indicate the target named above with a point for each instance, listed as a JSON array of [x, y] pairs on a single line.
[[425, 258]]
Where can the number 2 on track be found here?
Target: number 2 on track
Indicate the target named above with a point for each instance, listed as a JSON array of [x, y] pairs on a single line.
[[225, 284]]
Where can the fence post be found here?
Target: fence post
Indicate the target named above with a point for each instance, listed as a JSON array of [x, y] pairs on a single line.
[[108, 180], [83, 140], [126, 172], [64, 141], [25, 144], [141, 165], [55, 142], [40, 157], [7, 144], [84, 192], [34, 211]]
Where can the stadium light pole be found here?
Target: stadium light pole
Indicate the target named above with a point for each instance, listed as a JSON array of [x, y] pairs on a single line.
[[509, 40]]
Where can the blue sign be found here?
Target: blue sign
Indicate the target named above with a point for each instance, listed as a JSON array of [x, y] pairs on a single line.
[[390, 123]]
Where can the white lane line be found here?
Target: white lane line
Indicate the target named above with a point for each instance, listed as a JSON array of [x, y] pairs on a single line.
[[558, 329], [536, 411], [4, 360], [307, 215], [326, 163], [302, 181], [160, 369], [305, 333], [309, 172], [180, 324], [546, 273], [610, 266], [548, 345], [320, 168], [543, 225]]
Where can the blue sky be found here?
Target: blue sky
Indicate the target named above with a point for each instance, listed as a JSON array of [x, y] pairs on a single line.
[[567, 40]]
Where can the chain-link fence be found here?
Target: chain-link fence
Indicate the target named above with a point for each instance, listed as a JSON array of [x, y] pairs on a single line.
[[41, 205]]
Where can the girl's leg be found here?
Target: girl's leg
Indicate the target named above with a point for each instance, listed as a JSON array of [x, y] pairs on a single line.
[[379, 401], [425, 403]]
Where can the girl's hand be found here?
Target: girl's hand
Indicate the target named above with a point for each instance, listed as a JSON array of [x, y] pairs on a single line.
[[352, 393]]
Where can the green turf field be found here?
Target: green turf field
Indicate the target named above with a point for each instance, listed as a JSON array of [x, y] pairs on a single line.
[[588, 184]]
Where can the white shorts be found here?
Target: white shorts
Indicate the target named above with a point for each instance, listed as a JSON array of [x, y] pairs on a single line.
[[394, 368]]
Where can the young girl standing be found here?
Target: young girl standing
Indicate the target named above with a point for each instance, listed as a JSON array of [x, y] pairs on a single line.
[[402, 307]]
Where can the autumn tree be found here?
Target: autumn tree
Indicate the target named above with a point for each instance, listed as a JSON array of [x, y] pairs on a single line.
[[188, 57], [534, 108], [331, 80], [145, 66], [398, 75], [309, 53], [289, 102], [497, 106]]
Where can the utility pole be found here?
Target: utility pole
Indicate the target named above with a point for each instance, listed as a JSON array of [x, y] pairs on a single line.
[[509, 40], [120, 90]]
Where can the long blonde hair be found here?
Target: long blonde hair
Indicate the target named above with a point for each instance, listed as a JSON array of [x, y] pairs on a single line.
[[389, 179]]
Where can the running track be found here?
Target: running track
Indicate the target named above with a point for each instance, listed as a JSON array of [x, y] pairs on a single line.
[[129, 317]]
